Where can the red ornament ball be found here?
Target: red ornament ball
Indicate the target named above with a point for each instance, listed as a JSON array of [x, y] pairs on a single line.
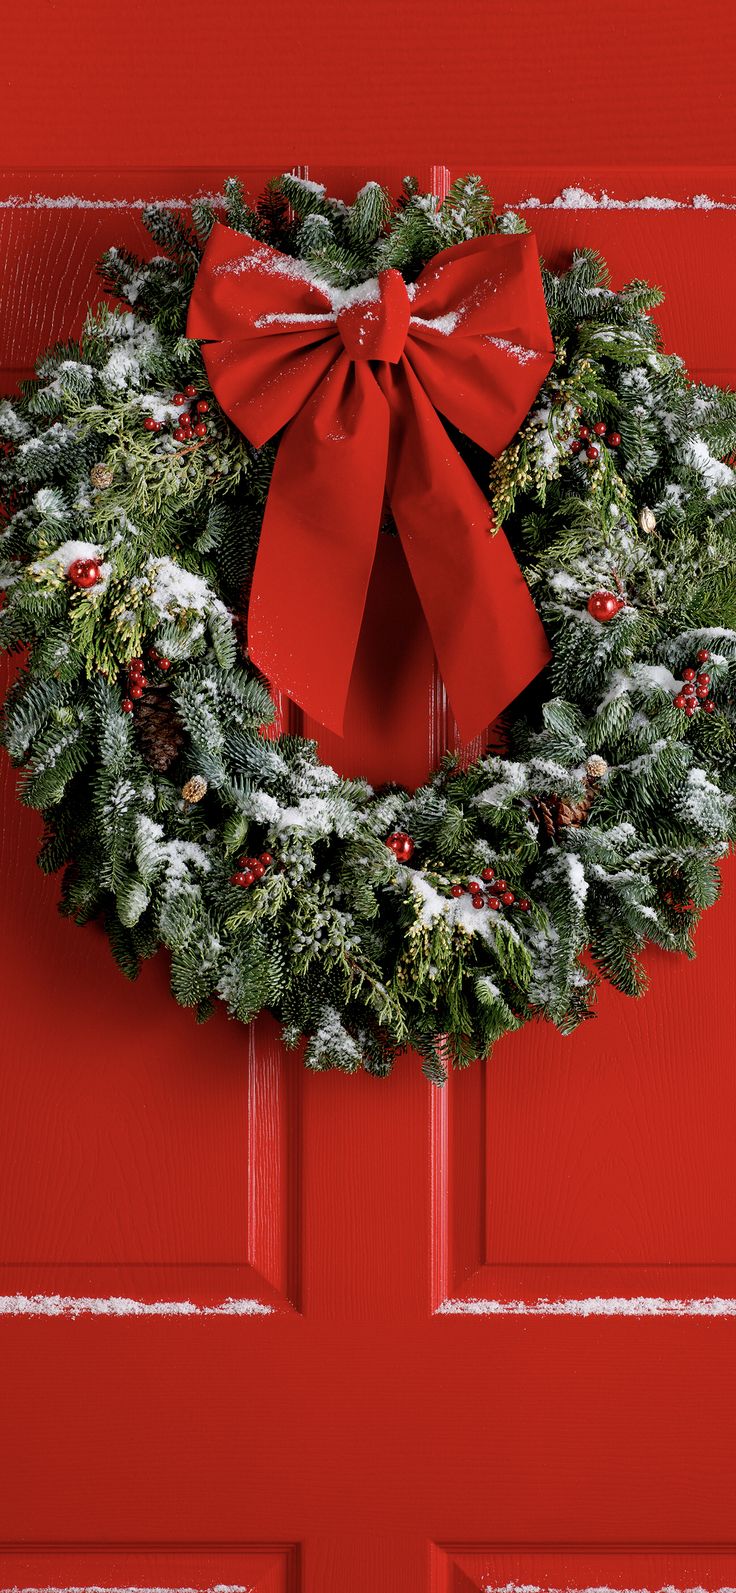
[[401, 845], [604, 606], [84, 573]]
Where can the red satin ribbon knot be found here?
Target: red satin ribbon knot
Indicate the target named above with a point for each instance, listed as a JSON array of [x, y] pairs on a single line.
[[355, 380]]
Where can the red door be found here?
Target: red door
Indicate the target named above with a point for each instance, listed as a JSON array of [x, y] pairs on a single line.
[[265, 1330]]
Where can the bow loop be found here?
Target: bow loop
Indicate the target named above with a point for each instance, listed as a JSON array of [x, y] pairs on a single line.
[[354, 380]]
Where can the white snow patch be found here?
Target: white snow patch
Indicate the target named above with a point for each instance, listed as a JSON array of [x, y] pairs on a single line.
[[72, 1305]]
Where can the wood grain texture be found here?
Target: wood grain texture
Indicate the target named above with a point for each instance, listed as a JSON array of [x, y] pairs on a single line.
[[357, 1438]]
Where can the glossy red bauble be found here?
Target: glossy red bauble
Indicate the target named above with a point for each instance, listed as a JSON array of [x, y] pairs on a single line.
[[401, 844], [84, 573], [604, 606]]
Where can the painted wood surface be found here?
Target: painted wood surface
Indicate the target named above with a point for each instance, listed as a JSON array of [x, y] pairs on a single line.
[[357, 1335]]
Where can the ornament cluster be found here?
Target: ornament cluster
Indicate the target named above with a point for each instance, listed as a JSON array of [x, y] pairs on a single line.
[[190, 425], [696, 691]]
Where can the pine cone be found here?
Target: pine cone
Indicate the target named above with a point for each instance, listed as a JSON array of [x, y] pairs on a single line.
[[556, 813], [158, 728]]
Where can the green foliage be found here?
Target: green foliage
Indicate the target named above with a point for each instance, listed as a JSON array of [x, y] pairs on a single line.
[[361, 954]]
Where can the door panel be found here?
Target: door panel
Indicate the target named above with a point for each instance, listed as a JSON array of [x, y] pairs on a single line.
[[403, 1339]]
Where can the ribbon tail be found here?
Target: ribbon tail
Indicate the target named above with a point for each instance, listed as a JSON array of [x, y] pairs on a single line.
[[489, 640], [318, 542]]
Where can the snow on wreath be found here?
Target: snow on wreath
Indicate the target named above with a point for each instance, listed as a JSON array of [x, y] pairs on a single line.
[[371, 921]]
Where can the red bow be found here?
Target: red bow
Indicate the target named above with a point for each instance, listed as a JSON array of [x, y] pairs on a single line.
[[356, 377]]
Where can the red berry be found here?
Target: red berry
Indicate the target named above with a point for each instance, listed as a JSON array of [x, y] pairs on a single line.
[[84, 573], [603, 606], [239, 878], [600, 428], [494, 904], [164, 664], [703, 680], [688, 690], [266, 859], [702, 692], [178, 399], [258, 869], [487, 874], [180, 435], [474, 887], [703, 655], [201, 429], [614, 439], [680, 700], [190, 390], [688, 674], [138, 679], [524, 904], [500, 886], [690, 709], [458, 890], [709, 707], [575, 446], [507, 898], [135, 666], [126, 705], [150, 424], [135, 689], [591, 451], [584, 432], [478, 901], [202, 407]]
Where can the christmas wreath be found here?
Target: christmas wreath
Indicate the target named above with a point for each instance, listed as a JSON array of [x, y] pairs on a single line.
[[369, 921]]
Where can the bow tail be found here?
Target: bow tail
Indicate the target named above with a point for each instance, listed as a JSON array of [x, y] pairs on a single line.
[[318, 542], [489, 640]]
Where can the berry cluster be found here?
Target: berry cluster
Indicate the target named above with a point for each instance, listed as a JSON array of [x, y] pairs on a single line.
[[84, 573], [586, 439], [401, 845], [190, 422], [492, 892], [138, 680], [696, 690], [250, 869]]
